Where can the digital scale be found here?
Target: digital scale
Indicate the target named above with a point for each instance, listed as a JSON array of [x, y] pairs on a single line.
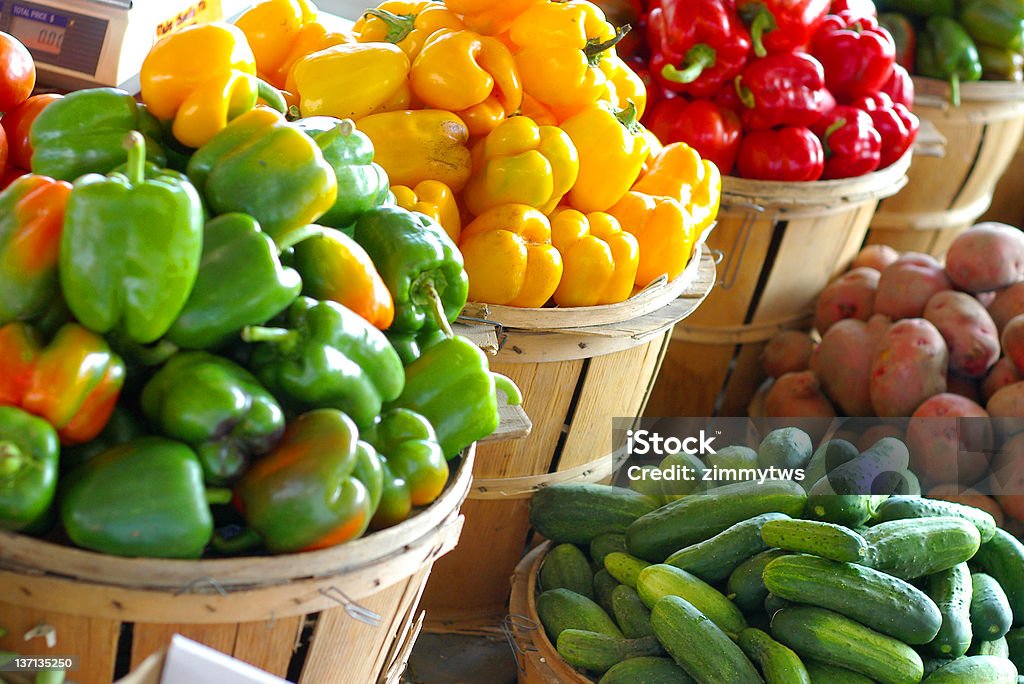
[[88, 43]]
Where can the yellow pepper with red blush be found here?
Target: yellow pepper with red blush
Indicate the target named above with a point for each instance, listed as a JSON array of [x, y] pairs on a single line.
[[599, 259], [436, 200], [520, 162], [664, 230], [489, 17], [509, 257], [406, 24]]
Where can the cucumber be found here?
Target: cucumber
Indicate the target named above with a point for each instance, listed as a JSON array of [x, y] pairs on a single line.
[[740, 458], [996, 647], [991, 616], [829, 456], [713, 560], [604, 585], [566, 567], [603, 544], [646, 670], [1015, 644], [933, 664], [746, 583], [910, 485], [632, 616], [778, 663], [576, 513], [921, 546], [773, 604], [1002, 557], [672, 489], [658, 581], [903, 507], [658, 534], [645, 484], [561, 609], [975, 670], [699, 646], [879, 601], [787, 447], [876, 471], [851, 510], [827, 636], [599, 652], [624, 568], [822, 673], [817, 538], [951, 590]]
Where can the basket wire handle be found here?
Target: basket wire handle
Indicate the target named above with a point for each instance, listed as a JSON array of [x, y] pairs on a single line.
[[517, 623], [499, 329], [44, 630], [352, 609]]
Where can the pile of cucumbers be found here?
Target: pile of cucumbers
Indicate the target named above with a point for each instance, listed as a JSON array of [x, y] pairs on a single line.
[[843, 579]]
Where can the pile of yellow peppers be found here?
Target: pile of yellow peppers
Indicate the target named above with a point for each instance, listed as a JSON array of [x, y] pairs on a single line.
[[515, 125]]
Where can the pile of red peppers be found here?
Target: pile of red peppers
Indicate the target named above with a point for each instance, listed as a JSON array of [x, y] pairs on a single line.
[[786, 90]]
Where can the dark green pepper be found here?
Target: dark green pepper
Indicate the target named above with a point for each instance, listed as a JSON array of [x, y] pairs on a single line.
[[29, 451], [998, 64], [327, 356], [84, 131], [362, 184], [999, 23], [920, 8], [218, 408], [946, 51], [237, 257]]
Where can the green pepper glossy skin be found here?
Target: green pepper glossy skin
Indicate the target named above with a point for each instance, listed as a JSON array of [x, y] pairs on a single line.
[[999, 23], [237, 257], [327, 356], [450, 385], [362, 184], [143, 498], [130, 249], [946, 51], [218, 408], [84, 131], [998, 64], [410, 346], [370, 471], [414, 256], [29, 451]]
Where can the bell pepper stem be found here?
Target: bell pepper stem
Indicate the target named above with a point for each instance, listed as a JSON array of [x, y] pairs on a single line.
[[513, 396], [698, 58], [399, 25], [50, 677], [272, 96], [595, 51], [954, 89], [289, 240], [745, 94], [836, 125], [243, 541], [286, 339], [218, 495], [136, 166], [628, 118], [436, 308], [11, 458], [763, 23], [154, 354]]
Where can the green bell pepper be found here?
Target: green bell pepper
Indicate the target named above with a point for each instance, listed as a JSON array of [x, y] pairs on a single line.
[[451, 386], [143, 498], [237, 257], [261, 165], [216, 407], [131, 248], [411, 345], [998, 64], [946, 51], [328, 357], [83, 132], [29, 451], [999, 23], [306, 493], [920, 8], [123, 426], [362, 184], [418, 262], [415, 469]]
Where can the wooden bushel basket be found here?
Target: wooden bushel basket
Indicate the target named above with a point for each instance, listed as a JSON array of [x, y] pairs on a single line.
[[782, 244], [946, 195], [578, 369], [362, 596]]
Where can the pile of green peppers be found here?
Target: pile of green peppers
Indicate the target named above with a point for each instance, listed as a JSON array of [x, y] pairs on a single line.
[[178, 382]]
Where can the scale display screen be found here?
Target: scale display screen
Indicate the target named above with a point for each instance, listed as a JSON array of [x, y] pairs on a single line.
[[38, 29]]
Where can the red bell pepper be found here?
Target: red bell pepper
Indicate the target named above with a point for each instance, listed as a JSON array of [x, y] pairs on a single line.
[[788, 154], [852, 145], [900, 87], [896, 124], [783, 90], [858, 55], [696, 46], [860, 8], [711, 129], [781, 25]]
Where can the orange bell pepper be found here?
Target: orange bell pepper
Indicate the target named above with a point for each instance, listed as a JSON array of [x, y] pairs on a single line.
[[425, 144], [436, 200], [406, 24], [471, 75], [281, 32], [664, 230], [600, 259], [487, 17], [678, 172], [73, 382], [509, 257]]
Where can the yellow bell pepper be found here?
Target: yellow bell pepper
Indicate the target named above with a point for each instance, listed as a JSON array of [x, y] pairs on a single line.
[[520, 162], [706, 197], [488, 17], [281, 32], [624, 84], [509, 257], [406, 24], [600, 259], [471, 75], [351, 81], [436, 200], [560, 49], [664, 230], [679, 172], [415, 146], [540, 113], [202, 77], [612, 150]]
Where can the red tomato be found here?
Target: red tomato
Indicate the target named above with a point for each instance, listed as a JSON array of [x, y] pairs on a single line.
[[17, 72], [16, 124]]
